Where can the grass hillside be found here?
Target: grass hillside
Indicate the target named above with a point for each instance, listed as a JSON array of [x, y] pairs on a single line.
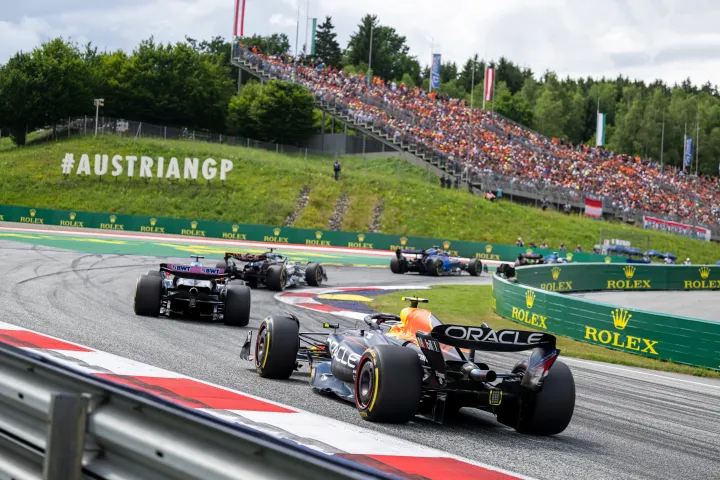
[[263, 188]]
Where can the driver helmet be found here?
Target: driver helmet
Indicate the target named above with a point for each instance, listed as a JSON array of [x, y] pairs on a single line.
[[195, 264], [404, 314]]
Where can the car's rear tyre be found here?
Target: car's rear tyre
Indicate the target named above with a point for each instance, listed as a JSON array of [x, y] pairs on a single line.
[[148, 296], [475, 267], [388, 384], [549, 411], [237, 305], [396, 266], [314, 274], [435, 267], [154, 273], [276, 347], [276, 277]]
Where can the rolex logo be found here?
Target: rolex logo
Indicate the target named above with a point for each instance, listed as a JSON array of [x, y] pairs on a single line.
[[620, 317], [529, 298], [73, 215], [153, 221], [529, 251], [446, 244], [608, 259], [235, 228], [403, 241], [569, 256], [488, 248], [113, 218], [629, 271], [318, 235], [361, 237], [555, 273], [33, 212], [704, 272], [194, 224], [276, 231]]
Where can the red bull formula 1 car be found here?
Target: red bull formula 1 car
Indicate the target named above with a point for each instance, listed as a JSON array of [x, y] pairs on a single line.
[[397, 367]]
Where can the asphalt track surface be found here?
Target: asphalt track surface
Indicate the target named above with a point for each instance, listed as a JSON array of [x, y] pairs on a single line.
[[695, 304], [628, 423]]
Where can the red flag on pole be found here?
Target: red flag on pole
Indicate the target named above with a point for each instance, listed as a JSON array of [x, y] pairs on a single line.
[[238, 29], [489, 82]]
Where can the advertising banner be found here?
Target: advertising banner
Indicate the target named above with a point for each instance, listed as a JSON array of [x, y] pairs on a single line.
[[652, 223]]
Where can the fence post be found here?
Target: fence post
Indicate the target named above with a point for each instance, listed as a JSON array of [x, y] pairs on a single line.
[[277, 148], [68, 127], [165, 135], [305, 158], [85, 126]]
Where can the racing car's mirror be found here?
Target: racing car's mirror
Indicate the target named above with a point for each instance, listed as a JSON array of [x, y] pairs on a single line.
[[377, 319], [331, 325]]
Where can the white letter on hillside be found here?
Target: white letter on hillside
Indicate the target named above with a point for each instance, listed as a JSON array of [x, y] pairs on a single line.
[[173, 169], [209, 169], [101, 164], [146, 164], [191, 168], [84, 166], [225, 167], [118, 169], [161, 162], [131, 159]]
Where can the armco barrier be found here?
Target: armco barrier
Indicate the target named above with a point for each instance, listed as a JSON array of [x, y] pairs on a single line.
[[600, 276], [59, 424], [655, 335], [271, 234]]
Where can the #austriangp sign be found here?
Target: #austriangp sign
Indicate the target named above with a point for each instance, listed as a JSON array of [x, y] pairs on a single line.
[[146, 167]]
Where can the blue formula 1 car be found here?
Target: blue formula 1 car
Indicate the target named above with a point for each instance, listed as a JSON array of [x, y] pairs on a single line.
[[434, 262]]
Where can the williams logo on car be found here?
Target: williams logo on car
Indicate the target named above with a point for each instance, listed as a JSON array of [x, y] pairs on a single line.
[[235, 234], [112, 225], [32, 218]]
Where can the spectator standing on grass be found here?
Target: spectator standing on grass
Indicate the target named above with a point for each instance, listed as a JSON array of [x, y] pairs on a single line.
[[563, 248], [457, 183], [566, 208], [520, 242], [578, 249], [442, 181], [543, 245], [544, 204], [532, 245], [336, 169]]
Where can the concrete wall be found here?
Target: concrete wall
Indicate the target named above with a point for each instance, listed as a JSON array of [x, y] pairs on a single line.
[[342, 144]]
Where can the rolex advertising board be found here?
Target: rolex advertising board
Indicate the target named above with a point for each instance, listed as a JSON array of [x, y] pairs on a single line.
[[680, 339]]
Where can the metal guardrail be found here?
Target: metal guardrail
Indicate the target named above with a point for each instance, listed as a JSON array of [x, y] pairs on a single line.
[[60, 424]]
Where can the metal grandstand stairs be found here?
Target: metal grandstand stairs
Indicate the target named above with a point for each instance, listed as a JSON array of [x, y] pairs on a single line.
[[366, 128]]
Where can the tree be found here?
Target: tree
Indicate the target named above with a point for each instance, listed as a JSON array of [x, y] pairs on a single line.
[[548, 113], [279, 112], [44, 87], [465, 79], [448, 72], [327, 49], [390, 52]]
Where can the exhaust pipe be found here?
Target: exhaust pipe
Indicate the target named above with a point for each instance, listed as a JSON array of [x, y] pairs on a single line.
[[478, 374]]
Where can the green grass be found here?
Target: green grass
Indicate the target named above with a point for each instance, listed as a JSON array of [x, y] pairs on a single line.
[[263, 189], [450, 304]]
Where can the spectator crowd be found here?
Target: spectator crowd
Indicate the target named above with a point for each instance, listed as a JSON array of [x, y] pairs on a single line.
[[476, 142]]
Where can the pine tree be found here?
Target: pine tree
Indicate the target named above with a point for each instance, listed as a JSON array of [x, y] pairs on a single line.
[[327, 48]]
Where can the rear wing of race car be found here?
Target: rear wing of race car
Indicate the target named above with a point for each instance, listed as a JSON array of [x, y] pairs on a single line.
[[489, 340], [415, 251], [245, 257], [194, 272]]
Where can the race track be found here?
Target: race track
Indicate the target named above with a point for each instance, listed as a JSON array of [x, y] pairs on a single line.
[[628, 423], [695, 304]]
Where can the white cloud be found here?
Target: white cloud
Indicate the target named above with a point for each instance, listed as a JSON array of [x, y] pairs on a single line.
[[644, 39]]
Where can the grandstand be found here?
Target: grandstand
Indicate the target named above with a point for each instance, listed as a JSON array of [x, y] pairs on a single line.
[[494, 153]]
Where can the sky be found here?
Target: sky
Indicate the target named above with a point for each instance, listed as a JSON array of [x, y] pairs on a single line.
[[642, 39]]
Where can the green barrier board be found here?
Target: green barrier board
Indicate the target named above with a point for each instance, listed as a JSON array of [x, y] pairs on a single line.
[[595, 276], [272, 234], [655, 335]]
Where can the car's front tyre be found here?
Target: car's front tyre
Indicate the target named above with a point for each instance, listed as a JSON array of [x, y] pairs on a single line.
[[276, 347]]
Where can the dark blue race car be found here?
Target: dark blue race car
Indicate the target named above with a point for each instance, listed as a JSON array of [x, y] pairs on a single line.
[[434, 262]]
